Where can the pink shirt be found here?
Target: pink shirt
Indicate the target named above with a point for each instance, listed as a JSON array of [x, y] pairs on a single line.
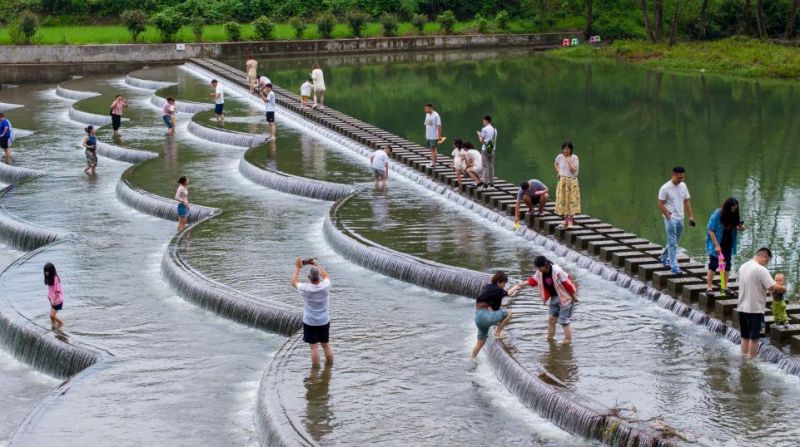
[[116, 107], [167, 110], [54, 292]]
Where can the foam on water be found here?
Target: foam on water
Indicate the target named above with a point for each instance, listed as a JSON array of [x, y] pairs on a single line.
[[146, 84], [74, 95], [182, 106], [290, 184], [225, 136]]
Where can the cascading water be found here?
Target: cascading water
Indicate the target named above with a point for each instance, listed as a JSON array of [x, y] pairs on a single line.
[[182, 106], [154, 205], [290, 184], [225, 137], [10, 174], [74, 95], [92, 119], [123, 154], [146, 84]]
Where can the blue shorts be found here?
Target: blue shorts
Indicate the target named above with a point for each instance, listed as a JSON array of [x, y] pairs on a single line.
[[183, 211], [563, 312], [379, 173], [168, 121], [432, 144], [486, 318], [218, 108]]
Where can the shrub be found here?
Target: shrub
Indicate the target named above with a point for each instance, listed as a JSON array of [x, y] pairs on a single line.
[[198, 23], [419, 21], [24, 27], [325, 24], [168, 22], [447, 20], [263, 28], [482, 24], [502, 20], [357, 20], [135, 21], [234, 31], [298, 25], [389, 22]]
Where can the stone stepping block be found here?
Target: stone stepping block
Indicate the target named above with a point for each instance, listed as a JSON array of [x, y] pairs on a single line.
[[646, 270], [706, 302], [562, 234], [618, 257], [725, 308], [507, 205], [488, 197], [794, 343], [548, 224], [691, 292], [582, 241], [675, 286], [599, 226], [647, 246], [594, 246], [781, 334], [632, 264], [587, 220], [572, 237], [606, 251]]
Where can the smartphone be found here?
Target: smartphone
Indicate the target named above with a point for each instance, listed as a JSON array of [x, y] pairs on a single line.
[[307, 261]]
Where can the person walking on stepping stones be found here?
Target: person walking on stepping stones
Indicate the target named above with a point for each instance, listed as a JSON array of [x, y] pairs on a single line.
[[182, 196], [673, 200], [754, 283], [568, 192], [433, 131], [316, 317], [488, 138], [219, 101], [557, 287], [55, 295], [319, 87], [488, 312], [251, 67], [90, 150], [721, 238]]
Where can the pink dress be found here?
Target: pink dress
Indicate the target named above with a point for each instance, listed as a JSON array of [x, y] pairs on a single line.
[[54, 293]]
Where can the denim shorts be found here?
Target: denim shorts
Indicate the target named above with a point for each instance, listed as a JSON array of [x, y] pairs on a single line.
[[432, 144], [182, 210], [167, 121], [486, 318], [563, 312], [379, 173]]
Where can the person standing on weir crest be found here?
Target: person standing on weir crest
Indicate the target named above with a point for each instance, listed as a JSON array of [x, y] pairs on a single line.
[[557, 287], [488, 312], [316, 318], [182, 196], [251, 67], [319, 87], [488, 139], [379, 161], [219, 101], [754, 283], [673, 200], [433, 131], [533, 192], [116, 113], [269, 99]]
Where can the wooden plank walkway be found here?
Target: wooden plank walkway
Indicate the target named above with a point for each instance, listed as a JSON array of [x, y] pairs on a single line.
[[626, 251]]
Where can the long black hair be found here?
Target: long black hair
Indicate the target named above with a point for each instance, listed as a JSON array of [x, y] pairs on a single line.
[[49, 274], [457, 143], [541, 261], [182, 180], [729, 217]]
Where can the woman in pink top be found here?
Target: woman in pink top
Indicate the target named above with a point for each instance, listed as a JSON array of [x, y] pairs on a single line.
[[168, 114], [116, 112], [54, 294]]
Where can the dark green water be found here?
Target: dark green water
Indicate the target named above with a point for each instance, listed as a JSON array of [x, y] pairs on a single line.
[[630, 127]]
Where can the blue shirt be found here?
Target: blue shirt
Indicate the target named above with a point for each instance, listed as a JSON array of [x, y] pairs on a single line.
[[715, 224], [5, 128]]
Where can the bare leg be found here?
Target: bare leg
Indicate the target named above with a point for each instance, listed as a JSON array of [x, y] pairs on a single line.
[[385, 182], [473, 175], [321, 99], [8, 156], [478, 346], [54, 320], [502, 324], [551, 327], [567, 332], [272, 130], [434, 154], [543, 199], [181, 224], [314, 355], [326, 348], [710, 279]]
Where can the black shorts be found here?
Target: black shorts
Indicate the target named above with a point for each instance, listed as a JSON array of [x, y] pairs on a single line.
[[316, 334], [270, 117], [57, 306], [3, 142], [218, 108], [534, 198], [713, 262], [750, 325], [116, 121]]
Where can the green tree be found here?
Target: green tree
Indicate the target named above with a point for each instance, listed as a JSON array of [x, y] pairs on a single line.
[[482, 24], [502, 18], [135, 21], [447, 20], [325, 23], [298, 25], [419, 21], [357, 20], [24, 27], [234, 31], [198, 24], [389, 22], [264, 28], [168, 22]]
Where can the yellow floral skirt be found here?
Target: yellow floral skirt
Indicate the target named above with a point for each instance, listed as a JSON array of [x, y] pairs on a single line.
[[568, 197]]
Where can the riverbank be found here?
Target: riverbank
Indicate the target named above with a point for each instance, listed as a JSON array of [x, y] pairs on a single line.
[[737, 56]]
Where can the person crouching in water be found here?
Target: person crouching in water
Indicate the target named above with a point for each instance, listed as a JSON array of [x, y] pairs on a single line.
[[554, 285], [488, 312]]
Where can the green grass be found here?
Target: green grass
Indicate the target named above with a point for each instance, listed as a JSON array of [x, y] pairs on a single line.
[[113, 34], [736, 56]]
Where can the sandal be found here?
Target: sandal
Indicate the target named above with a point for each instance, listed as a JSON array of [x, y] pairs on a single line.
[[709, 292]]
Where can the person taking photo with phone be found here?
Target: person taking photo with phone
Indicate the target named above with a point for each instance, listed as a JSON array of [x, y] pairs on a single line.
[[316, 318]]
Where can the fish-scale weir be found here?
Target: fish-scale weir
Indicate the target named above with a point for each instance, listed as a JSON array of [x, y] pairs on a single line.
[[123, 154], [23, 235], [74, 95], [182, 106], [146, 84], [10, 174], [225, 136], [92, 119]]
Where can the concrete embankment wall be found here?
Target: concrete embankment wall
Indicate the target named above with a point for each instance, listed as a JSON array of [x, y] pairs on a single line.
[[22, 63]]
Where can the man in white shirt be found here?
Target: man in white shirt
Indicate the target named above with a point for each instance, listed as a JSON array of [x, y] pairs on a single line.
[[673, 199], [754, 283], [219, 101], [488, 138], [269, 99], [316, 316], [379, 161], [433, 131]]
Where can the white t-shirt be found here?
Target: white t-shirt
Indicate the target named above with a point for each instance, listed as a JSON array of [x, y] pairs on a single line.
[[181, 195], [432, 121], [221, 93], [263, 80], [270, 100], [488, 133], [315, 302], [673, 196], [306, 89], [754, 280], [474, 157], [319, 80], [379, 160], [458, 159], [563, 166]]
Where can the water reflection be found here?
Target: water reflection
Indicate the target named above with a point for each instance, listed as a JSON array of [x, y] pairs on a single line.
[[318, 409], [559, 360], [380, 209], [170, 147]]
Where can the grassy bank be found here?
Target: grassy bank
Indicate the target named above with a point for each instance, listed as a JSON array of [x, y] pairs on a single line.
[[736, 56], [113, 34]]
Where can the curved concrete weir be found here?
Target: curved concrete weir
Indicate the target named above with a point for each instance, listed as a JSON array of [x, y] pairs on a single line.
[[74, 95], [92, 119], [23, 235], [290, 184], [223, 300], [182, 106], [146, 84], [155, 205], [10, 174], [123, 154], [225, 136]]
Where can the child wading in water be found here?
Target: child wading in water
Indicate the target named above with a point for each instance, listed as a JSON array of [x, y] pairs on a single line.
[[779, 315], [90, 144], [54, 294]]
